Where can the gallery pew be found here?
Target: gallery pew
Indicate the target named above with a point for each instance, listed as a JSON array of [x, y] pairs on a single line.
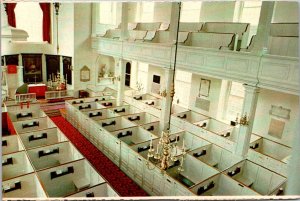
[[11, 143]]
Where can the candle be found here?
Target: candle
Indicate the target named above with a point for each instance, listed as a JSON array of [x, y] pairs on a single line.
[[151, 143], [183, 146]]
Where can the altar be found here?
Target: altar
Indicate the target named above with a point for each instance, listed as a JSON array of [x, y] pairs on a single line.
[[38, 89]]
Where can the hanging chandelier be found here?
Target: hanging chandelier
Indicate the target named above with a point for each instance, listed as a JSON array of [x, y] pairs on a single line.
[[56, 7], [168, 154]]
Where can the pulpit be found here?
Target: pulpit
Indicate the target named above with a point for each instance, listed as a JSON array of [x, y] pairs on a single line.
[[38, 89]]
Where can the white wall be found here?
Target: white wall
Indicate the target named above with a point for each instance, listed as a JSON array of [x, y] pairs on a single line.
[[286, 12], [217, 11], [267, 98], [83, 54], [214, 95], [155, 70], [132, 9]]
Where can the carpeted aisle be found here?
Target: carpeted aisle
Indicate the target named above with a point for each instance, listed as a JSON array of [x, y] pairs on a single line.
[[117, 179]]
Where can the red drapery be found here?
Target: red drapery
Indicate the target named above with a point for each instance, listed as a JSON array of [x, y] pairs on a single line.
[[46, 21], [11, 17]]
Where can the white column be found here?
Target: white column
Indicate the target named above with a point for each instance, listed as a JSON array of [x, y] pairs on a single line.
[[167, 100], [95, 18], [124, 22], [20, 75], [293, 181], [264, 26], [244, 131], [174, 21], [120, 64], [20, 60], [44, 68]]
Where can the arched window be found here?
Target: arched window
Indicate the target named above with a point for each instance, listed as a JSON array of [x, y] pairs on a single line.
[[29, 17], [147, 11]]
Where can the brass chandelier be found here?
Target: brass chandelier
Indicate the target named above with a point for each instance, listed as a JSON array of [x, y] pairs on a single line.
[[167, 151]]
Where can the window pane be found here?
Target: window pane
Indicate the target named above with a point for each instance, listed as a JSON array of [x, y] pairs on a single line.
[[29, 17], [190, 11]]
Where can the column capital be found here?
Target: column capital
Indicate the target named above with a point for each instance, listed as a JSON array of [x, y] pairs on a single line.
[[251, 89]]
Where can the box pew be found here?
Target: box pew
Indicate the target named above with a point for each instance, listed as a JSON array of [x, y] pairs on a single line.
[[144, 97], [53, 155], [107, 91], [148, 26], [42, 137], [269, 154], [194, 171], [133, 135], [24, 115], [101, 114], [241, 29], [125, 110], [153, 103], [26, 186], [109, 103], [222, 185], [226, 41], [114, 124], [113, 33], [190, 26], [191, 141], [88, 106], [188, 116], [15, 165], [163, 37], [11, 144], [101, 190], [131, 25], [255, 177], [156, 129], [17, 107], [178, 109], [33, 124], [141, 118], [215, 156], [69, 178]]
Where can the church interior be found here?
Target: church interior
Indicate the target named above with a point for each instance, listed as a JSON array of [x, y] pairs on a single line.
[[147, 98]]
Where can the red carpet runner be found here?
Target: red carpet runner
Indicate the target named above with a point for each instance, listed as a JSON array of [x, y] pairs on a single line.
[[117, 179]]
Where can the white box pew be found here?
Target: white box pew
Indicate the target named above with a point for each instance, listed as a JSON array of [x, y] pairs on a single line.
[[17, 107], [144, 97], [141, 118], [27, 186], [191, 141], [125, 110], [101, 114], [188, 116], [225, 41], [148, 26], [194, 171], [269, 154], [216, 156], [107, 91], [254, 137], [163, 37], [101, 190], [26, 113], [53, 155], [131, 25], [88, 106], [284, 29], [280, 190], [219, 139], [284, 46], [15, 165], [11, 143], [114, 124], [109, 103], [273, 149], [178, 109], [133, 135], [153, 103], [42, 137], [222, 185], [113, 33], [33, 124], [255, 177], [156, 129], [69, 178], [190, 26], [241, 29]]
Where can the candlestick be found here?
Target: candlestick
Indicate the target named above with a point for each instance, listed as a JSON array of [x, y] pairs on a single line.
[[183, 146], [151, 145]]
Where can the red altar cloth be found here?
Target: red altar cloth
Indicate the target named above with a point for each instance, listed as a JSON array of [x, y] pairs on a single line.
[[39, 89]]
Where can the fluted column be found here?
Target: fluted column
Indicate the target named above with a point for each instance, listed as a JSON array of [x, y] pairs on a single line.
[[166, 99], [244, 131], [120, 66]]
